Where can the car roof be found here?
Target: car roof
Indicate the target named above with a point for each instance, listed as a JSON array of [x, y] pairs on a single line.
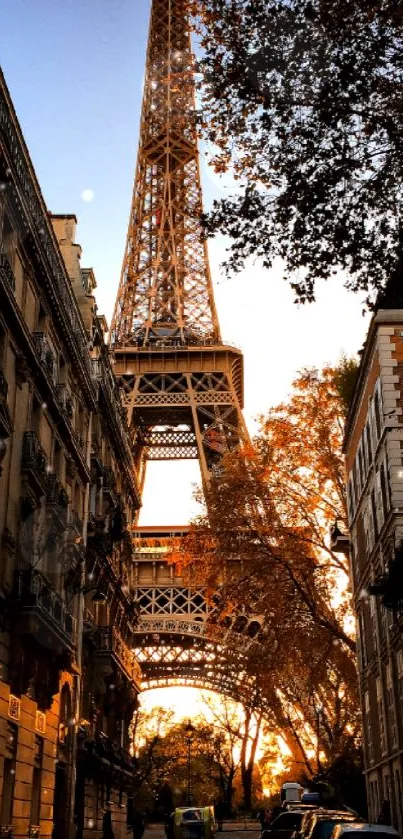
[[364, 826], [335, 814]]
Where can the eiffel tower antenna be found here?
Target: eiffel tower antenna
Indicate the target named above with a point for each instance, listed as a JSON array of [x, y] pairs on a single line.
[[165, 287], [183, 388]]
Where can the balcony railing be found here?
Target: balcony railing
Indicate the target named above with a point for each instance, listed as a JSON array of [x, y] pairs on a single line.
[[65, 401], [76, 523], [35, 594], [155, 344], [46, 354], [104, 376], [6, 271], [57, 498], [111, 641], [34, 460], [109, 485]]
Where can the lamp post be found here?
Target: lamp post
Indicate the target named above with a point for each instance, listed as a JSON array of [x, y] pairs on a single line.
[[189, 730]]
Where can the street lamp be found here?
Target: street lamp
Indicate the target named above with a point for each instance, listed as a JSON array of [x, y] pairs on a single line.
[[189, 730]]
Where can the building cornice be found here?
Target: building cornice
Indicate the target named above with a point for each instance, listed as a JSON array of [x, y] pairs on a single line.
[[383, 316]]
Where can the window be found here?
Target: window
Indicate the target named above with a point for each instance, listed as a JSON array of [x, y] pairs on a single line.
[[384, 490], [361, 466], [368, 442], [399, 667], [390, 700], [7, 801], [374, 514], [357, 488], [377, 413], [381, 716], [350, 500], [374, 626], [368, 725], [37, 783]]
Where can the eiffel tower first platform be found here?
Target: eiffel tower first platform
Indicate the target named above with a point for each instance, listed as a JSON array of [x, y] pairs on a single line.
[[182, 386]]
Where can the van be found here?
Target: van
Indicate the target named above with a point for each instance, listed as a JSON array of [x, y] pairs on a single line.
[[194, 822], [290, 792]]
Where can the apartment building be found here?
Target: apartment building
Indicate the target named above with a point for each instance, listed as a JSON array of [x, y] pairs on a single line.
[[374, 461], [68, 496]]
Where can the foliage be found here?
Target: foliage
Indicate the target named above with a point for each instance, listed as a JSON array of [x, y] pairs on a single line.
[[302, 101], [345, 376], [263, 551], [162, 758]]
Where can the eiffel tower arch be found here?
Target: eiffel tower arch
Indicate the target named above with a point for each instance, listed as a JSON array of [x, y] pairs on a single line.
[[182, 385]]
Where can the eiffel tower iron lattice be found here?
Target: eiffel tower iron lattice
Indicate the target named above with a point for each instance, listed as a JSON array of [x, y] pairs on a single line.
[[182, 386]]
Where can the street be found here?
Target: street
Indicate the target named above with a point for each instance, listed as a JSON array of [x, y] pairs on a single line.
[[247, 830]]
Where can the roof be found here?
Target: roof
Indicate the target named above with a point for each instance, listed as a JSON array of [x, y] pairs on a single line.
[[363, 826]]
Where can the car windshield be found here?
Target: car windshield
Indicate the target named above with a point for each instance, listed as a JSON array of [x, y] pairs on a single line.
[[287, 821], [191, 815]]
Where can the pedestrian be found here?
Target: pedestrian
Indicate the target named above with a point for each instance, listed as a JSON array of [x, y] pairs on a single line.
[[268, 818], [219, 814], [384, 816], [170, 825], [137, 825], [107, 829], [261, 817]]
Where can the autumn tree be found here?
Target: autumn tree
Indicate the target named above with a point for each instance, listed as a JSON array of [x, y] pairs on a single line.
[[265, 555], [162, 759], [302, 102], [240, 730]]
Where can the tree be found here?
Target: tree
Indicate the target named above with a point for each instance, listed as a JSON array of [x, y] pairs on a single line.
[[162, 760], [226, 723], [240, 729], [302, 101], [263, 552]]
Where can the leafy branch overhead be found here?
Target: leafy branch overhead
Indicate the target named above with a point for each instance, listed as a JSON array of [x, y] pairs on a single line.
[[303, 103]]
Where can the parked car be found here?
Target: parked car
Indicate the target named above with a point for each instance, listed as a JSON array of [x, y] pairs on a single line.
[[362, 830], [319, 813], [284, 825], [322, 824]]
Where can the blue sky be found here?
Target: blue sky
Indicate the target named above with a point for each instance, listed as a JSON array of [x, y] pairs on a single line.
[[75, 72], [75, 69]]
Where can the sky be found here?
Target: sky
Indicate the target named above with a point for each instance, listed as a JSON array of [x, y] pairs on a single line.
[[75, 72]]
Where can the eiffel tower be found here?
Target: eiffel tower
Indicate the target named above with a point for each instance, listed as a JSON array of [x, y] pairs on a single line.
[[182, 386]]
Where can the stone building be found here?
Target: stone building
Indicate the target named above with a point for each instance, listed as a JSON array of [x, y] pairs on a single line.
[[374, 460], [68, 494]]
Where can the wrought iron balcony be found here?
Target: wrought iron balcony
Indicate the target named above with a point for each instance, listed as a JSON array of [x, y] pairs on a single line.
[[45, 613], [111, 642], [57, 498], [75, 523], [66, 401], [46, 353], [96, 457], [109, 485], [6, 271], [34, 461]]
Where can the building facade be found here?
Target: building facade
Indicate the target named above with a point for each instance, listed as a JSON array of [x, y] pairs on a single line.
[[68, 496], [374, 461]]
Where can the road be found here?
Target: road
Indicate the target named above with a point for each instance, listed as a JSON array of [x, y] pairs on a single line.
[[236, 830]]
